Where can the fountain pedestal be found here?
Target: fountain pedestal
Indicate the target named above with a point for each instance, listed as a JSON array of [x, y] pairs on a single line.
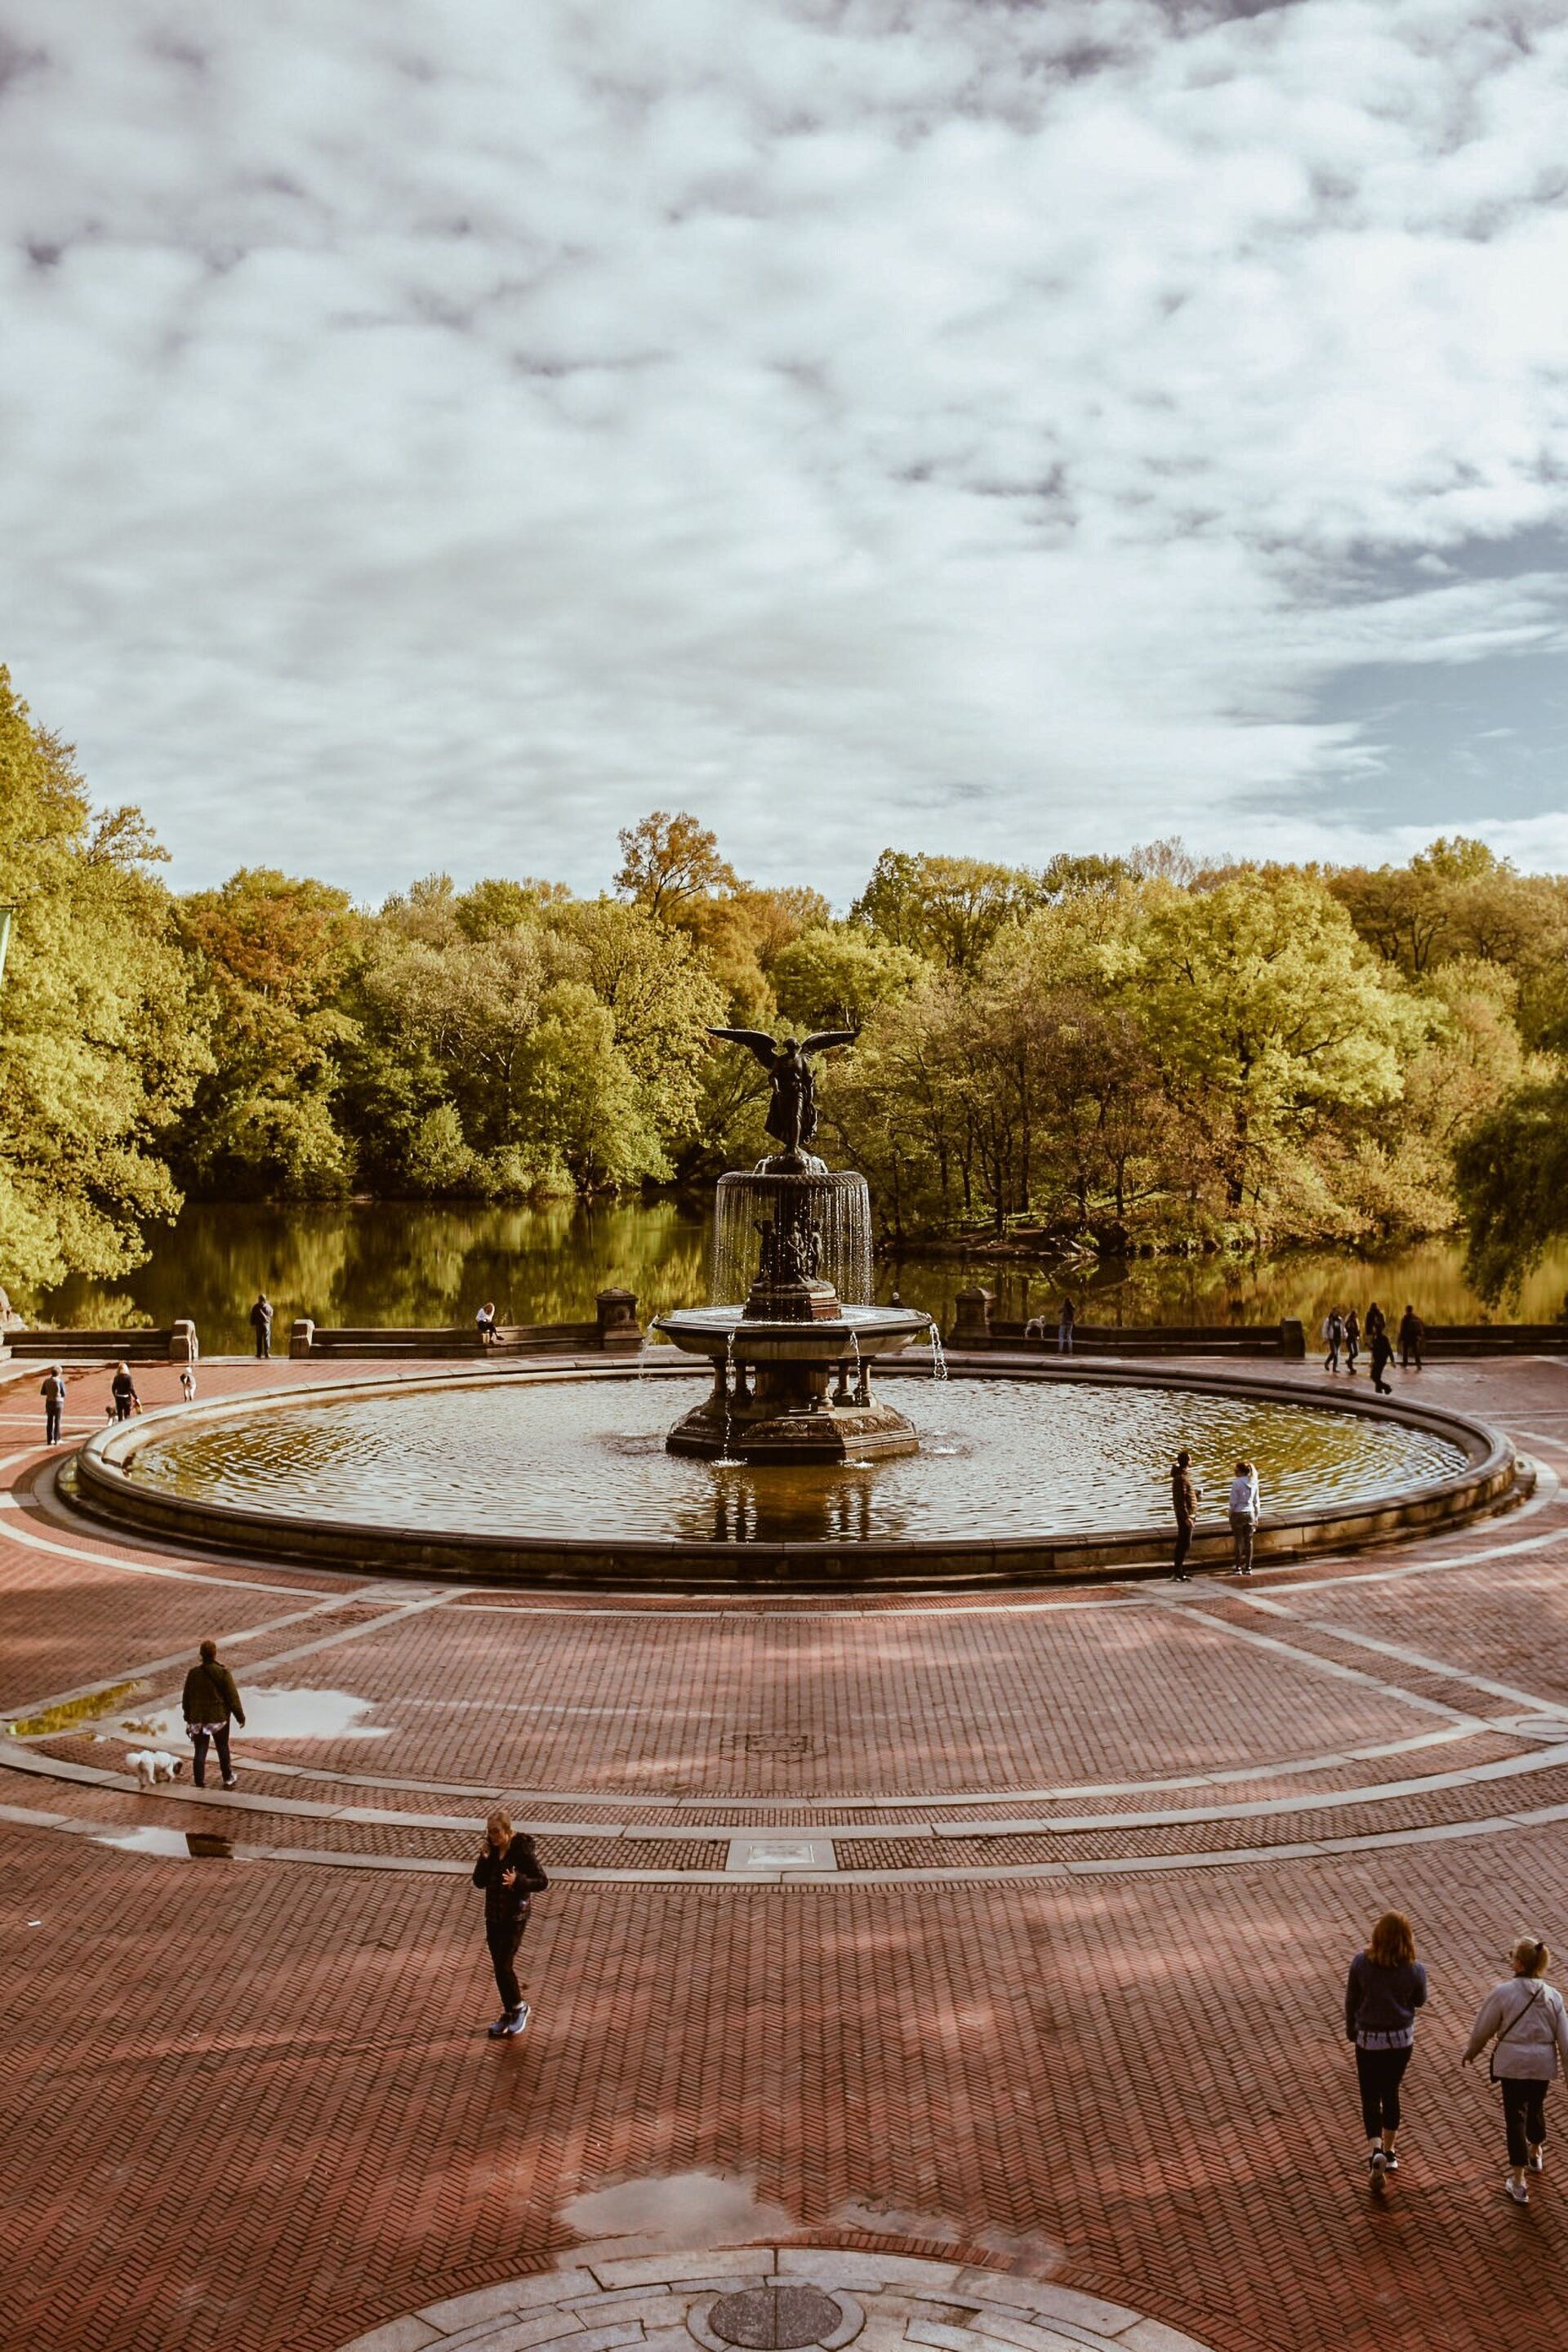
[[792, 1365]]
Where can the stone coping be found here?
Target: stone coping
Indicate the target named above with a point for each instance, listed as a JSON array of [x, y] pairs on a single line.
[[105, 1488], [887, 2302]]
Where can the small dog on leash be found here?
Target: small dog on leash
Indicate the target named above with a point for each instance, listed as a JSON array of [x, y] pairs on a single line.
[[151, 1764]]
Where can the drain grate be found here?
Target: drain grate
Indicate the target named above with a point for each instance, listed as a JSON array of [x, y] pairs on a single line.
[[776, 2319]]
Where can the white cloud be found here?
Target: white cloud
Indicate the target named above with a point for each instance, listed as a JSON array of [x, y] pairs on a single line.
[[437, 440]]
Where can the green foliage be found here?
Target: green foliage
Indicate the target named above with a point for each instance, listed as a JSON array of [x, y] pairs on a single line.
[[103, 1031]]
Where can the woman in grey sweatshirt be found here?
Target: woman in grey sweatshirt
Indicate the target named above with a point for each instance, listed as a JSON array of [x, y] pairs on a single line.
[[1525, 2020]]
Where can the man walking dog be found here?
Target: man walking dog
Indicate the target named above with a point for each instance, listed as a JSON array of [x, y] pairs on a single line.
[[210, 1697]]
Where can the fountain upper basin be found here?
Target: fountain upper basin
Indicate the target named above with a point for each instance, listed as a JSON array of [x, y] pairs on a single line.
[[721, 1331]]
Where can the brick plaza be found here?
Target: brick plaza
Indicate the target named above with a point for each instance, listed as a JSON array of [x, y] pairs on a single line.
[[1049, 1990]]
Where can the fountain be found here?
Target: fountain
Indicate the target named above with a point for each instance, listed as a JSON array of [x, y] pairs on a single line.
[[792, 1362], [789, 1472]]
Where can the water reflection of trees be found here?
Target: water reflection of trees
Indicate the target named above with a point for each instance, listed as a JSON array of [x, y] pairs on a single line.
[[433, 1263], [397, 1262]]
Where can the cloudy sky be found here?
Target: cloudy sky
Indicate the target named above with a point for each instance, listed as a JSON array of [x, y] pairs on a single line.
[[435, 435]]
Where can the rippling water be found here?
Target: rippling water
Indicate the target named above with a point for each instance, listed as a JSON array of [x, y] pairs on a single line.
[[586, 1459]]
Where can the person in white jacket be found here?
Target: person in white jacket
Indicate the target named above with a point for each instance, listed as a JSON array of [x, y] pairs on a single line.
[[1244, 1506], [1526, 2022]]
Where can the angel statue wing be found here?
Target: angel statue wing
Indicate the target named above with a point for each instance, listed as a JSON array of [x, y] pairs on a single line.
[[826, 1037], [756, 1041]]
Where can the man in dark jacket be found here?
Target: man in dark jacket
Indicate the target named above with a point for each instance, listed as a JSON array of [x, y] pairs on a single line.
[[1412, 1332], [210, 1697], [509, 1872], [262, 1323], [1184, 1503]]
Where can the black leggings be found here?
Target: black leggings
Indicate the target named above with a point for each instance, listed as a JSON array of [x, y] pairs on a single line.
[[1524, 2117], [503, 1943], [1183, 1539], [1380, 2074]]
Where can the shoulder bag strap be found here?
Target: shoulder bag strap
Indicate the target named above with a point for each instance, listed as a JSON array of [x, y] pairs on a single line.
[[1516, 2019]]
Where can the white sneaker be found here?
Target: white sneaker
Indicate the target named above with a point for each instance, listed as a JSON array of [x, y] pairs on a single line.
[[518, 2021], [1538, 2159], [1516, 2189]]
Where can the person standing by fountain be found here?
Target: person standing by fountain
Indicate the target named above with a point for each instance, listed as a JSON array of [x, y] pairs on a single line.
[[262, 1323], [1412, 1332], [1244, 1506], [510, 1871], [1184, 1502], [53, 1393], [1064, 1323]]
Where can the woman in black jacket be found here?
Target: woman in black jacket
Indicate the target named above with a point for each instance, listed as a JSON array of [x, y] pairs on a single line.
[[509, 1872], [1385, 1988]]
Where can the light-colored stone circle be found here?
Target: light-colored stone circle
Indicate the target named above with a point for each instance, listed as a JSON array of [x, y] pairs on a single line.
[[661, 2301]]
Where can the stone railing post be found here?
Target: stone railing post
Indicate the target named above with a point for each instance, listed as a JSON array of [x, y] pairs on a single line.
[[971, 1322], [184, 1348], [618, 1324], [301, 1335], [1293, 1339]]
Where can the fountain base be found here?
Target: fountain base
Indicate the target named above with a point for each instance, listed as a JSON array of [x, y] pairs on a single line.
[[863, 1433]]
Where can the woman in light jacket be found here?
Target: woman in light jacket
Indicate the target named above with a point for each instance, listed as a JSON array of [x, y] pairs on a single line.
[[1525, 2020], [1243, 1509]]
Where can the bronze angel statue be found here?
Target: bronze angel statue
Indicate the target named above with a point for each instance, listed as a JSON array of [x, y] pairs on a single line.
[[792, 1114]]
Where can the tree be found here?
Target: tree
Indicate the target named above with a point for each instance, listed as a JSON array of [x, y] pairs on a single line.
[[273, 953], [1511, 1171], [1266, 1016], [834, 975], [102, 1037], [668, 861], [947, 910]]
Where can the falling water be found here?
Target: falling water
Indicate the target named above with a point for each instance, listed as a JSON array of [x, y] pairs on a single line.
[[938, 1360], [838, 1204], [726, 1461]]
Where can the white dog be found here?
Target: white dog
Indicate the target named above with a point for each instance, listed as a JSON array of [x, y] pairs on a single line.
[[151, 1764]]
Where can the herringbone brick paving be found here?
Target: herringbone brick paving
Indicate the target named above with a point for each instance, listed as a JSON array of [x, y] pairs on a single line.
[[250, 2104]]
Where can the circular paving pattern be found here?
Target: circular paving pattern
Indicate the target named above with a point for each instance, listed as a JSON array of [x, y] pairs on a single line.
[[780, 2299]]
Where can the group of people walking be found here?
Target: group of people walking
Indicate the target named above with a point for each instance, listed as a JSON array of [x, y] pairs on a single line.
[[1343, 1332], [1522, 2022]]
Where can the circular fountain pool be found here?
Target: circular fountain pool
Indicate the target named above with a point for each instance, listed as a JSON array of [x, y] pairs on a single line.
[[540, 1478]]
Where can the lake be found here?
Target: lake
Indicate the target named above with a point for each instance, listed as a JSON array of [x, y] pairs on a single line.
[[424, 1262]]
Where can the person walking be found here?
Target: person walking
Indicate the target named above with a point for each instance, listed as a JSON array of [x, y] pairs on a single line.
[[1377, 1321], [510, 1871], [1382, 1357], [1385, 1988], [1243, 1508], [1525, 2020], [1334, 1333], [210, 1697], [123, 1389], [1184, 1503], [1412, 1332], [1064, 1323], [53, 1393], [262, 1323], [1352, 1340]]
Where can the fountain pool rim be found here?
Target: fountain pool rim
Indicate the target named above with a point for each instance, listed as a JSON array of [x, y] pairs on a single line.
[[104, 1489]]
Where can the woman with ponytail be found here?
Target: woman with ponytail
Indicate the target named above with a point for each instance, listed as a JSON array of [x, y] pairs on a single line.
[[1525, 2020]]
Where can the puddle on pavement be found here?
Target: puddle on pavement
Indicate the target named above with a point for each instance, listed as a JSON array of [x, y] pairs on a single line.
[[676, 2212], [274, 1713], [179, 1845]]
